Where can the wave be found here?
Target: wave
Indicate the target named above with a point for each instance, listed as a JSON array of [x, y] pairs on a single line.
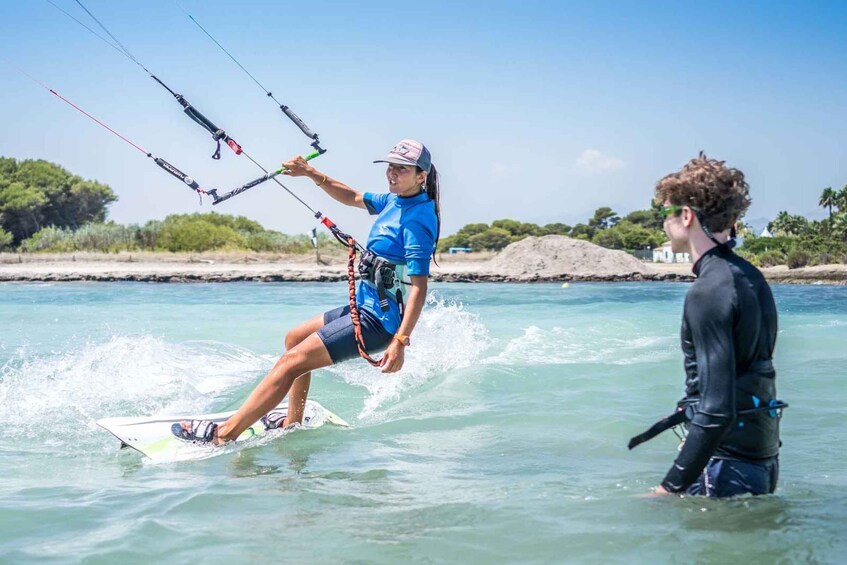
[[446, 338], [53, 400], [609, 344]]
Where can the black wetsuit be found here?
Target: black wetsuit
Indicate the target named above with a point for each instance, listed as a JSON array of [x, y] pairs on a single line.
[[729, 329]]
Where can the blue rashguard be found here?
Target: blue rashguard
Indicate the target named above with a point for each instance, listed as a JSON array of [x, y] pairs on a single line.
[[403, 233]]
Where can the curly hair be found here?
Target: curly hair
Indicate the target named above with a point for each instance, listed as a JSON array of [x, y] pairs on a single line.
[[718, 191]]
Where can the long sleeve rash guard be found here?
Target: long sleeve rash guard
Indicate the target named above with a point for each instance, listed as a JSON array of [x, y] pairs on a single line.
[[728, 334]]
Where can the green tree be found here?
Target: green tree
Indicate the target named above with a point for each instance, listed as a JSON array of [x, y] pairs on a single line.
[[647, 218], [22, 210], [36, 193], [556, 229], [5, 239], [829, 198], [518, 230], [627, 235], [8, 166], [839, 225], [493, 239], [87, 201], [582, 231], [462, 238], [604, 218], [446, 243], [788, 224]]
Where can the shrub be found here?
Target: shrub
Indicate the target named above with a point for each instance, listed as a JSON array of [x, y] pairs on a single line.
[[5, 239], [147, 236], [278, 242], [55, 240], [823, 258], [197, 235], [797, 258], [771, 258], [108, 237]]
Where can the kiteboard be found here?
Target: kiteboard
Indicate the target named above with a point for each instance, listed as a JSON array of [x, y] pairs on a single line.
[[152, 435]]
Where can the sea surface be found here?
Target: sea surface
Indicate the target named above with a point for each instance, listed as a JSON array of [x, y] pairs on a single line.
[[503, 439]]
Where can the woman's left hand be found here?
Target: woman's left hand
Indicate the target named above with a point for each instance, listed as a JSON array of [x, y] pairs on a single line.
[[394, 356]]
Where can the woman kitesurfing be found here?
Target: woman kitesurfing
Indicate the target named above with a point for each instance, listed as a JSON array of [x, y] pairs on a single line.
[[383, 311]]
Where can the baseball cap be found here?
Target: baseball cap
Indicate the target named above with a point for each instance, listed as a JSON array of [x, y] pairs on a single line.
[[409, 152]]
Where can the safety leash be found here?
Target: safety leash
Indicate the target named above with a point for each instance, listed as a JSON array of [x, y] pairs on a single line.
[[354, 310]]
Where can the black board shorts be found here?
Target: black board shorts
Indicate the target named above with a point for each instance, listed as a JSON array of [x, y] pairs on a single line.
[[339, 339]]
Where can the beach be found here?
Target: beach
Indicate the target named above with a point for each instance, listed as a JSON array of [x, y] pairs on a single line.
[[233, 267]]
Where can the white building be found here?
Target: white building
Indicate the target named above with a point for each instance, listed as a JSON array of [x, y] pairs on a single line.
[[664, 254]]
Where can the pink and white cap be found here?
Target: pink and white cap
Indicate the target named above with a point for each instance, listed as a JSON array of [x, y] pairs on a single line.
[[409, 152]]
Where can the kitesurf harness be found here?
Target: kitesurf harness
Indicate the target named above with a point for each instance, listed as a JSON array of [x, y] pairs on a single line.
[[370, 267], [686, 410], [383, 275]]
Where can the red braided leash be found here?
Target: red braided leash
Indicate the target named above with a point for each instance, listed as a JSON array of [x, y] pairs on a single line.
[[354, 310]]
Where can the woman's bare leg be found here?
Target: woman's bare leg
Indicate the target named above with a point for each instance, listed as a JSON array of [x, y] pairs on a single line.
[[308, 355], [300, 389]]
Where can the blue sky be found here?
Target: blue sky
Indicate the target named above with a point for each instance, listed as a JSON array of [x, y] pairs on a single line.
[[536, 111]]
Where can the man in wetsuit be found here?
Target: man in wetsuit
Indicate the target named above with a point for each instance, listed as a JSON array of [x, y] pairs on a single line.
[[729, 329]]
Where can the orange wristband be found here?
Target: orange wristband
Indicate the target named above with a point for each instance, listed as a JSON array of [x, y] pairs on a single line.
[[403, 339]]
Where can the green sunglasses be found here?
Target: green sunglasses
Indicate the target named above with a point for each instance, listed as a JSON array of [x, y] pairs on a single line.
[[673, 210]]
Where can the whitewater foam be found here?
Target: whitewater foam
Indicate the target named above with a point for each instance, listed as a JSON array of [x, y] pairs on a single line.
[[607, 344], [55, 399], [446, 338]]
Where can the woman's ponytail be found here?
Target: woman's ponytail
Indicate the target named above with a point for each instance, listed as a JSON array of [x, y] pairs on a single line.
[[433, 193]]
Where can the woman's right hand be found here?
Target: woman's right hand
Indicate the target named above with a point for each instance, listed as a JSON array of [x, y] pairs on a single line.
[[297, 167]]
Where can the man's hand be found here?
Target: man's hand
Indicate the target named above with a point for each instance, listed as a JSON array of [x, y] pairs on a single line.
[[655, 492]]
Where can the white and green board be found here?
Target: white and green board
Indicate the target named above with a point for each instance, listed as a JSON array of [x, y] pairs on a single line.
[[152, 435]]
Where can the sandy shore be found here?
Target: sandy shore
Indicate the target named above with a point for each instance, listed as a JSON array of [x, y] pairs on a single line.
[[227, 267]]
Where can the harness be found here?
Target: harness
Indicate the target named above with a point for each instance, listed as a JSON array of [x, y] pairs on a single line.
[[383, 275], [686, 411], [687, 408]]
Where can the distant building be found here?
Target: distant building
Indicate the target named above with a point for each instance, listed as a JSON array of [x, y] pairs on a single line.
[[452, 250], [664, 254], [766, 233]]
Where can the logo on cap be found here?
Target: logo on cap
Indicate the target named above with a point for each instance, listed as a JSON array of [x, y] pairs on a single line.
[[404, 149]]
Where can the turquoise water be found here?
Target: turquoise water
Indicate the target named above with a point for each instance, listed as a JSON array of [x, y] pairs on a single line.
[[502, 440]]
